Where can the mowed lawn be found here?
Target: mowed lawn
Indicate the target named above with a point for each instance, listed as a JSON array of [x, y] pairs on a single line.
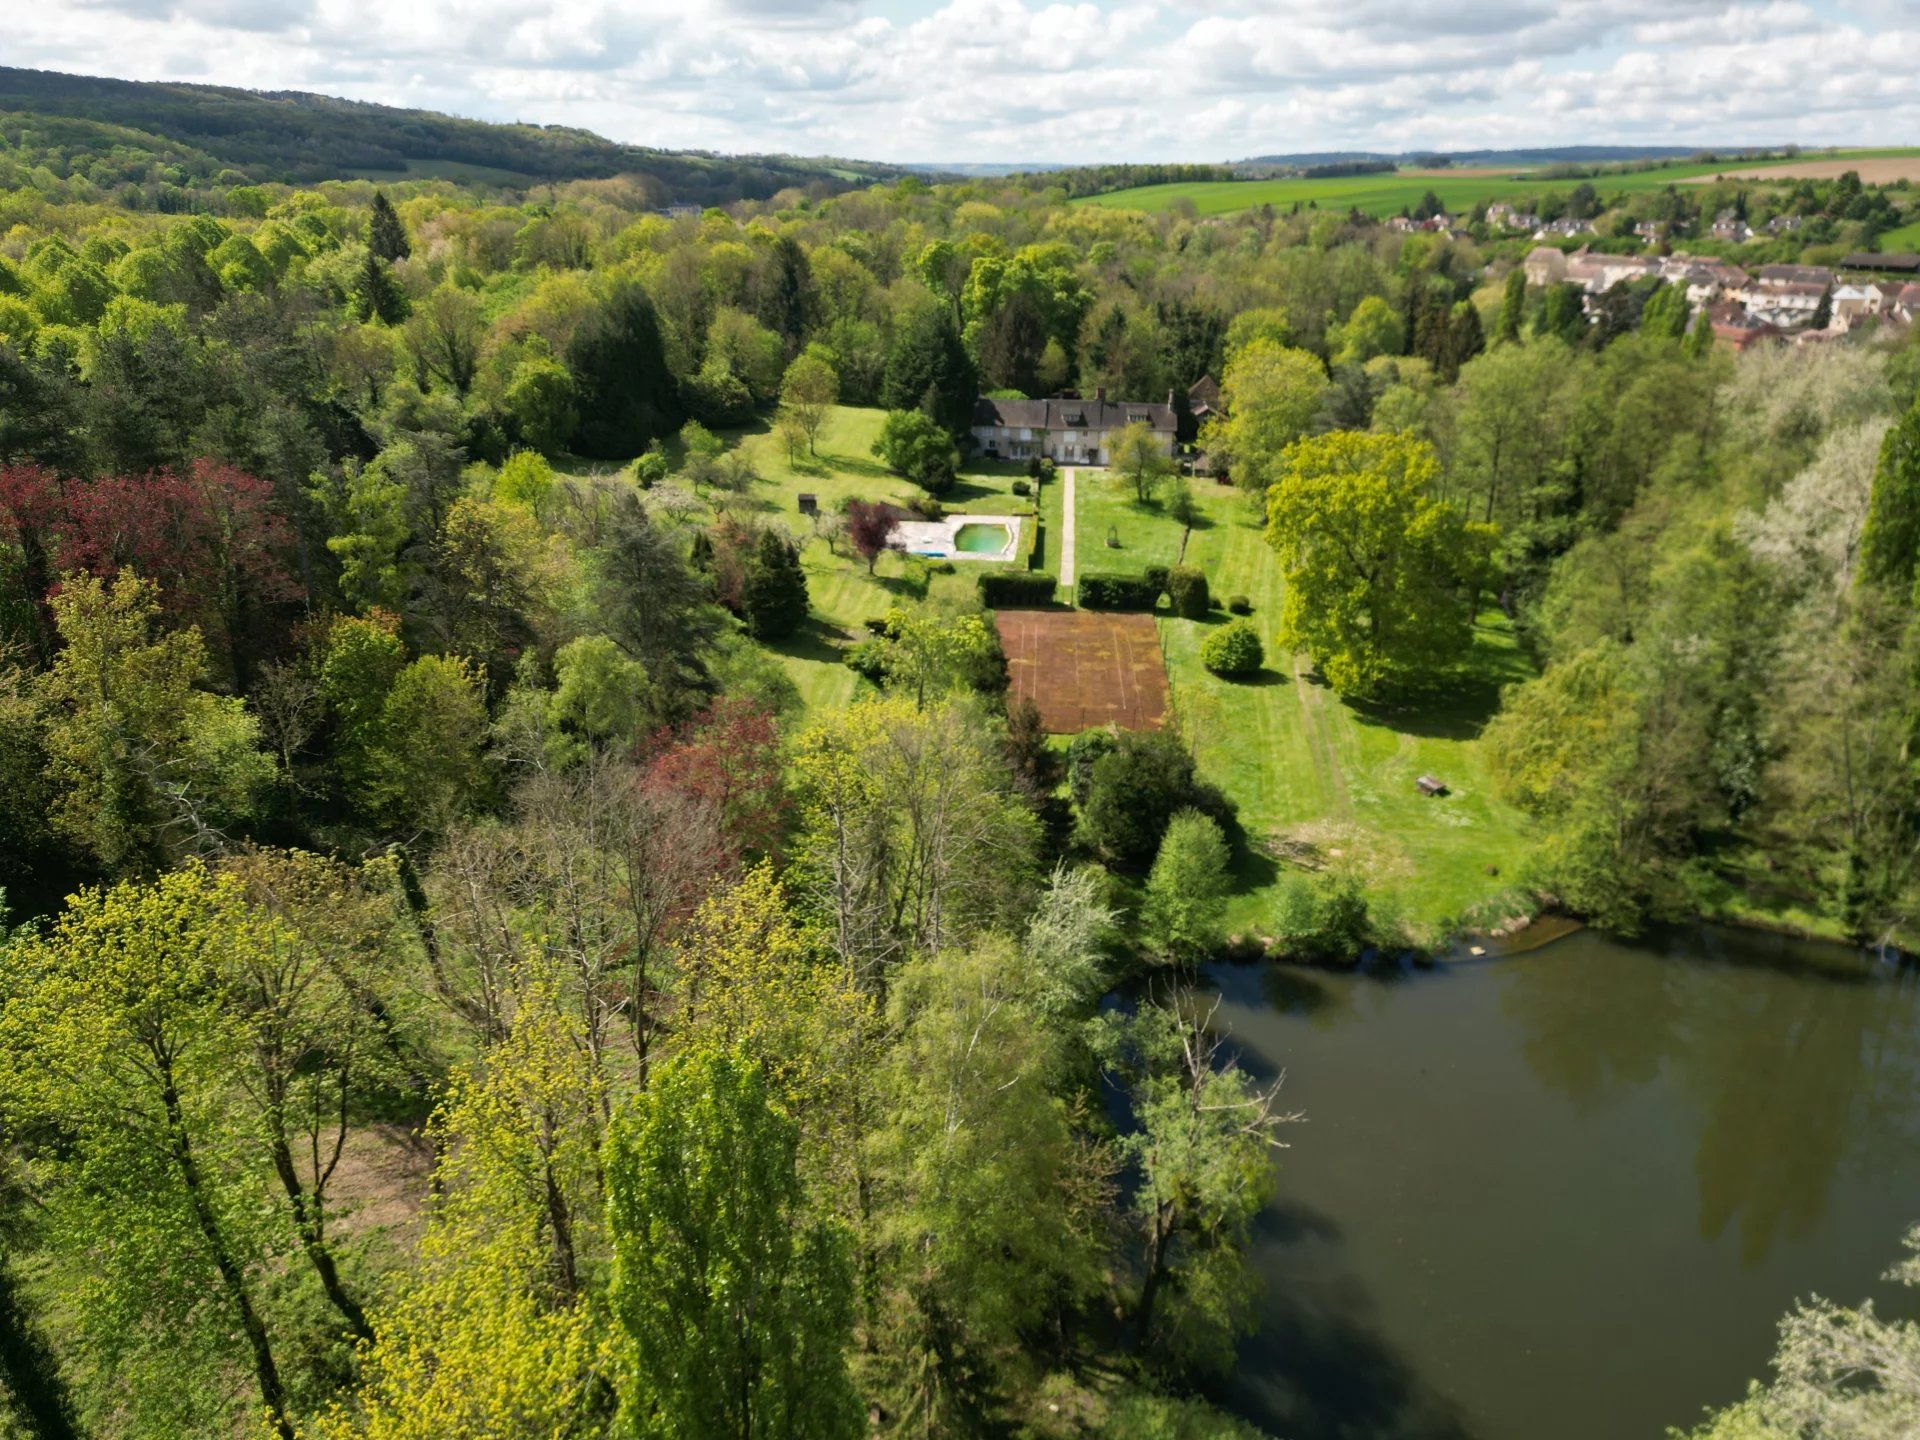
[[1387, 194], [1903, 241], [841, 595], [1320, 783]]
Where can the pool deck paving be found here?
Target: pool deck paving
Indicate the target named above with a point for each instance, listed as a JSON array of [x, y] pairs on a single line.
[[939, 539]]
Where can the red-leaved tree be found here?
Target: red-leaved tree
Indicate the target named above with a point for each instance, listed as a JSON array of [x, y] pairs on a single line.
[[211, 539], [32, 508], [870, 524], [728, 756]]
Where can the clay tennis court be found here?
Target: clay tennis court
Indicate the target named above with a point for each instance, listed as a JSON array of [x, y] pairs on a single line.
[[1084, 669]]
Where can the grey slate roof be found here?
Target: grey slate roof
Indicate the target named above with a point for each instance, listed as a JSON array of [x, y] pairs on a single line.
[[1058, 414]]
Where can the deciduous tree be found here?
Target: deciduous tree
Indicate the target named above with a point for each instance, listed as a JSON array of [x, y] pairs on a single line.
[[1374, 565], [738, 1303]]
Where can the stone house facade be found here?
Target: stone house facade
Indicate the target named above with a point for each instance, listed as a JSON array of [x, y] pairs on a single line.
[[1065, 429]]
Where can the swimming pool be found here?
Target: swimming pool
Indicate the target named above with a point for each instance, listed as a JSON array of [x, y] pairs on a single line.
[[960, 537], [977, 539]]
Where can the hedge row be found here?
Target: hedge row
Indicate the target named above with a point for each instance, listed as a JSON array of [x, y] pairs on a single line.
[[1104, 590], [1013, 588], [1030, 542]]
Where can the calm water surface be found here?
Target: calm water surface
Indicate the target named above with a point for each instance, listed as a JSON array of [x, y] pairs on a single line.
[[1568, 1193]]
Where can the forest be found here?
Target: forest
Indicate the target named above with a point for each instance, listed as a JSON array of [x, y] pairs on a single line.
[[152, 145], [463, 972]]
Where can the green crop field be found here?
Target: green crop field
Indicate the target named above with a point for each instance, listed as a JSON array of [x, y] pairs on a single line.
[[1313, 777], [1458, 190]]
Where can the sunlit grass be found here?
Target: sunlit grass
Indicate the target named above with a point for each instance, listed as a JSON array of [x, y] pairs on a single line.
[[1312, 776]]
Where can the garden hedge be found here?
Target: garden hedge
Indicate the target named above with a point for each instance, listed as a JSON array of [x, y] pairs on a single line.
[[1104, 590], [1013, 588]]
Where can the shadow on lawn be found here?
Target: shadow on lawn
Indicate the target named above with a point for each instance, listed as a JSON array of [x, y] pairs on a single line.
[[1457, 708], [867, 469], [814, 640]]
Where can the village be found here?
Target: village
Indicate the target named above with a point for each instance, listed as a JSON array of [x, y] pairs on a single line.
[[1801, 304], [1777, 303]]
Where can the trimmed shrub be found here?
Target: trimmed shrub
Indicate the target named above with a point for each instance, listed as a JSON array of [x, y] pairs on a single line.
[[1233, 649], [1103, 590], [1187, 589], [1014, 588], [927, 507], [1030, 542], [1239, 605], [1157, 577], [880, 625], [1022, 488]]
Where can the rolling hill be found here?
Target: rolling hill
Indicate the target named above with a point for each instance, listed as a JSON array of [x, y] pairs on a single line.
[[297, 137]]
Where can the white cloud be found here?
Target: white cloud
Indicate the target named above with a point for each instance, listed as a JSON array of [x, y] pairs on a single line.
[[1049, 79]]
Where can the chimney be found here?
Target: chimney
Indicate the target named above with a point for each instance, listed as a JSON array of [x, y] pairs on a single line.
[[1100, 395]]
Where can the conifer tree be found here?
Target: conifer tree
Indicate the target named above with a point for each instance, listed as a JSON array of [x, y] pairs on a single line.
[[386, 236], [1890, 540], [776, 588]]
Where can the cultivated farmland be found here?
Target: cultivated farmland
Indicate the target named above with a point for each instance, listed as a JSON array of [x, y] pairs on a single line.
[[1460, 190]]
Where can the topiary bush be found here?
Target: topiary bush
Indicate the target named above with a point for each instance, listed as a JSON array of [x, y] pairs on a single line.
[[1239, 605], [1156, 576], [1233, 650], [1022, 488], [1187, 589]]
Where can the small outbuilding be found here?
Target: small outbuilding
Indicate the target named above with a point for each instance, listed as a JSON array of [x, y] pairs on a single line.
[[1431, 785], [809, 504]]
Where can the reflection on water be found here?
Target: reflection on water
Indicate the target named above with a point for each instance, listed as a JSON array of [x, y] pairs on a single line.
[[1569, 1192]]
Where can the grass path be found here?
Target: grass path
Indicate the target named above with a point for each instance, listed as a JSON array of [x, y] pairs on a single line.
[[1067, 533]]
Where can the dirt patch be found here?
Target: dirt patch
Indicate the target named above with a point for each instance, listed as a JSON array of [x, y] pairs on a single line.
[[1083, 669], [382, 1182], [1881, 171]]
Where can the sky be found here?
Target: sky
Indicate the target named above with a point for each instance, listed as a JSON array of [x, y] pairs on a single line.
[[1041, 80]]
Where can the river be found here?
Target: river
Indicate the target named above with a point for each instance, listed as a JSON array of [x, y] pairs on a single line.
[[1569, 1192]]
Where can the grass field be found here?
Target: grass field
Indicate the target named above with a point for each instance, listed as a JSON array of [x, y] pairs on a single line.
[[1459, 191], [842, 596], [1317, 782], [457, 170], [1315, 778], [1905, 240]]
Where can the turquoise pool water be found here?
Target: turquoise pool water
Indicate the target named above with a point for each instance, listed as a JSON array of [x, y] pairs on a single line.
[[981, 539]]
